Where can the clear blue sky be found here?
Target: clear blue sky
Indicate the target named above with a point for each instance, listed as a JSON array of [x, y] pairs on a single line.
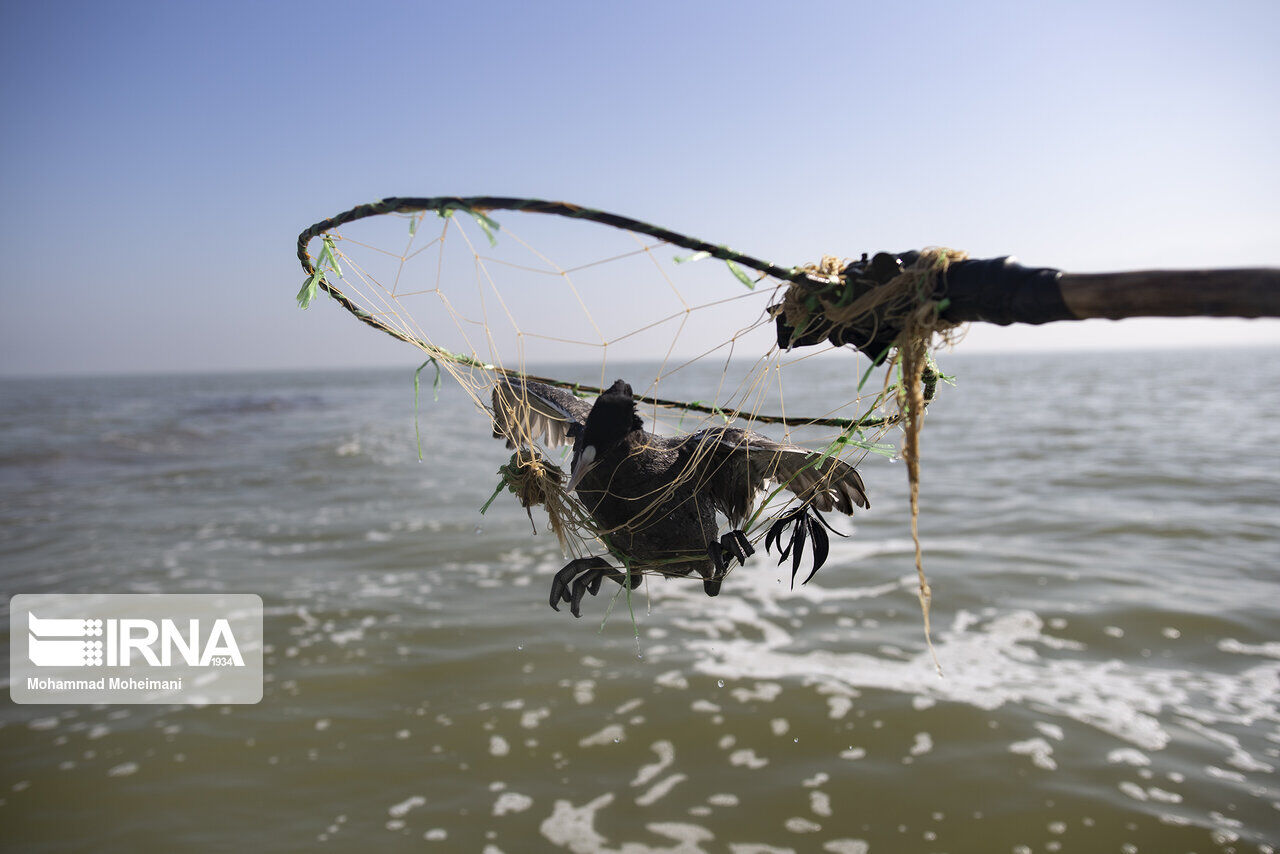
[[158, 159]]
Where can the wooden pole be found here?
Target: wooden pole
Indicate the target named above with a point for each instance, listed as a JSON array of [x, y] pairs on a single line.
[[1251, 292]]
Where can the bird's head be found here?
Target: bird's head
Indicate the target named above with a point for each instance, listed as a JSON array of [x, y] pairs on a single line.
[[612, 417]]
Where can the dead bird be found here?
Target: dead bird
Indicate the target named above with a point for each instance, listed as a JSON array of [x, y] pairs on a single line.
[[655, 498]]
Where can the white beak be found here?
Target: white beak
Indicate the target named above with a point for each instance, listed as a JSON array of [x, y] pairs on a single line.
[[585, 460]]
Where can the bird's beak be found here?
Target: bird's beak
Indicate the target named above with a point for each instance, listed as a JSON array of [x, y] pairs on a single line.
[[584, 462]]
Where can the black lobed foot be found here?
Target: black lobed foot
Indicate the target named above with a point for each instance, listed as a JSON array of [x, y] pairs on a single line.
[[736, 543], [807, 524], [713, 574], [732, 546], [582, 576]]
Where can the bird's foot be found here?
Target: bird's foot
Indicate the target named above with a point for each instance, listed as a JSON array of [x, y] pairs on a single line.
[[808, 524], [582, 576], [737, 544], [733, 545], [713, 574]]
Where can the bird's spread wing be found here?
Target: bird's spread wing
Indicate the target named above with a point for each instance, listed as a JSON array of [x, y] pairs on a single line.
[[525, 412], [735, 464]]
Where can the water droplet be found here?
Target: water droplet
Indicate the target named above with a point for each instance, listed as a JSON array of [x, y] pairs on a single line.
[[795, 741], [519, 646], [479, 530], [617, 741], [720, 683]]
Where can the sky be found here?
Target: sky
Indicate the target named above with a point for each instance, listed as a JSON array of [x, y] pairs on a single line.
[[157, 160]]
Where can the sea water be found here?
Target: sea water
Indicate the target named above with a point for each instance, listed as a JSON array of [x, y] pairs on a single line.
[[1101, 531]]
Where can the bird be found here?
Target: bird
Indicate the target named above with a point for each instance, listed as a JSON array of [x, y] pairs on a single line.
[[654, 498]]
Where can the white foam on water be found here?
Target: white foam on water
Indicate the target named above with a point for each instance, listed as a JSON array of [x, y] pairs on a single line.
[[1238, 757], [846, 846], [747, 758], [1163, 795], [839, 707], [660, 789], [511, 802], [1040, 751], [1051, 730], [611, 734], [672, 679], [666, 752], [401, 809], [345, 637], [1224, 774], [629, 706], [1270, 649], [531, 718], [584, 692], [1128, 756], [574, 827], [923, 744], [800, 824], [1133, 790], [993, 660]]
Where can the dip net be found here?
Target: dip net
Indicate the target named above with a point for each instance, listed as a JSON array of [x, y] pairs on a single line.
[[495, 290]]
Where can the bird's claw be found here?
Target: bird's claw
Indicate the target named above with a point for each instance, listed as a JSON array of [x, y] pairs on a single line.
[[733, 545], [737, 544], [810, 525], [582, 576]]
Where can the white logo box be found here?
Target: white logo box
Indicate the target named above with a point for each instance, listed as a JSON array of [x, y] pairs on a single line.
[[135, 648]]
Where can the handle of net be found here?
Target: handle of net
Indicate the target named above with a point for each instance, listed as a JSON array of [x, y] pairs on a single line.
[[1003, 291]]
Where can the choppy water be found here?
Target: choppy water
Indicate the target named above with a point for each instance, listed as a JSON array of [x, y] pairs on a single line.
[[1102, 534]]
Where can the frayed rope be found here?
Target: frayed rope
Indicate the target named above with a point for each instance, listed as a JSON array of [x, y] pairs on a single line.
[[907, 303]]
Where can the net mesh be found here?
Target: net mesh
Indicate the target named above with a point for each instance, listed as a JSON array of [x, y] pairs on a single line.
[[489, 297]]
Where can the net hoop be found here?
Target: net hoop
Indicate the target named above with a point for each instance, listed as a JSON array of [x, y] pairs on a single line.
[[478, 206]]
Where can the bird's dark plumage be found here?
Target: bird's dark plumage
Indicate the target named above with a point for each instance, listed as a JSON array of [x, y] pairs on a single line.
[[655, 498]]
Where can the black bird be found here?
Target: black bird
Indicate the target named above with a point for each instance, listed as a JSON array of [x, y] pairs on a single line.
[[655, 498]]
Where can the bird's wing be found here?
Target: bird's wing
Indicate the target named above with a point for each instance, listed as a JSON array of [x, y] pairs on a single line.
[[733, 465], [525, 412]]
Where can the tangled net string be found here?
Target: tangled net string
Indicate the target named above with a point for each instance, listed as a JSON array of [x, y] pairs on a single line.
[[493, 287]]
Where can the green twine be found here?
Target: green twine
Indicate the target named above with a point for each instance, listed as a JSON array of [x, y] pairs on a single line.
[[435, 388]]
